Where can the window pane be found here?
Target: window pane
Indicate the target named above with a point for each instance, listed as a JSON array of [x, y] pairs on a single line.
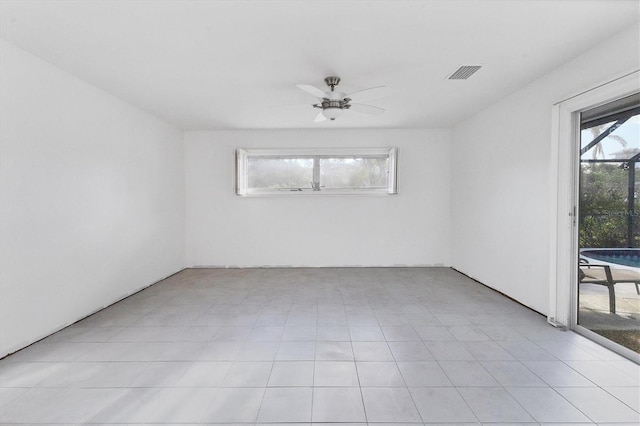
[[279, 173], [316, 171], [621, 144], [363, 173], [609, 241]]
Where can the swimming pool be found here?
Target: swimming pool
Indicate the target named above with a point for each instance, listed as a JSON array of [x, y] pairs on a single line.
[[620, 256]]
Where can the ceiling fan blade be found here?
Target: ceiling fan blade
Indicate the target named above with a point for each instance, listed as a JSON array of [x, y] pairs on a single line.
[[320, 117], [288, 105], [370, 94], [312, 90], [366, 109]]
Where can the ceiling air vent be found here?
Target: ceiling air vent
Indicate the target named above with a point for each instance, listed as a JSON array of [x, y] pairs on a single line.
[[464, 72]]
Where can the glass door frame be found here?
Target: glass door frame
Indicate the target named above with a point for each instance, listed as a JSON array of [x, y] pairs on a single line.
[[565, 160]]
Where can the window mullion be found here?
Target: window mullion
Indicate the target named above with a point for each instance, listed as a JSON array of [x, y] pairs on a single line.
[[316, 173]]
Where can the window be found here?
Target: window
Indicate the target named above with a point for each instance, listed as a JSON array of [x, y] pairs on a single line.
[[315, 171]]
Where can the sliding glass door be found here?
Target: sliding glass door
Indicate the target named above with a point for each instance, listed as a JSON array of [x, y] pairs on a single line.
[[608, 288]]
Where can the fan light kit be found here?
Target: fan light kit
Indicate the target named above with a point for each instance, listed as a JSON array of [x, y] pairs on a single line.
[[333, 103]]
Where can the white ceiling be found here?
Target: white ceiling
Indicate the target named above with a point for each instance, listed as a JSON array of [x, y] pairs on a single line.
[[233, 64]]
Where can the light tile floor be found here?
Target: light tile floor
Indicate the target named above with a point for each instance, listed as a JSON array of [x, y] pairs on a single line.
[[296, 346]]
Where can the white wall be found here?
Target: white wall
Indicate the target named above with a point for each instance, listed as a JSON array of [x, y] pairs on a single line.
[[92, 199], [500, 182], [411, 228]]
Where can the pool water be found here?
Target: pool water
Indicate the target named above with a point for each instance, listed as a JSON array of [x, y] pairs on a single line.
[[627, 257]]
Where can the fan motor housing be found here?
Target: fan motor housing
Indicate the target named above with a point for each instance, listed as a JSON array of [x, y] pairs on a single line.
[[334, 103]]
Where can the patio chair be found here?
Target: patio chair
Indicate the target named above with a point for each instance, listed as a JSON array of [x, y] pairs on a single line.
[[604, 275]]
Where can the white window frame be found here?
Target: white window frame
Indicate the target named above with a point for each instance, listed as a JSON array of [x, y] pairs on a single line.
[[242, 178]]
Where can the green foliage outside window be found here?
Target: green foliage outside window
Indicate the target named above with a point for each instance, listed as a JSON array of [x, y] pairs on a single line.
[[604, 211]]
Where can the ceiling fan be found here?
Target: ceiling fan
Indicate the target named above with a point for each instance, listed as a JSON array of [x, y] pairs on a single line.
[[333, 104]]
